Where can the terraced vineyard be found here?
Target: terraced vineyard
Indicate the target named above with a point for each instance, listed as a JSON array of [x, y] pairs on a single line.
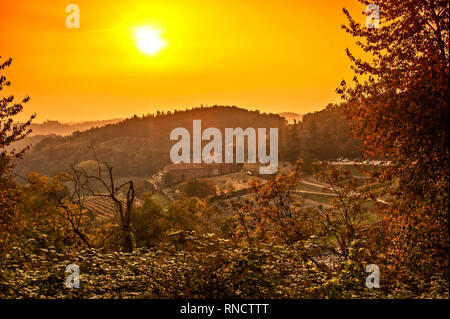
[[102, 207]]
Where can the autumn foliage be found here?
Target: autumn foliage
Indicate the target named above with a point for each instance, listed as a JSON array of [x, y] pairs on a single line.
[[399, 106], [271, 242]]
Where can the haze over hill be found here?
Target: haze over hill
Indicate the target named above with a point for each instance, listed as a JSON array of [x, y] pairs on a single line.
[[66, 128], [52, 128], [291, 117], [60, 128]]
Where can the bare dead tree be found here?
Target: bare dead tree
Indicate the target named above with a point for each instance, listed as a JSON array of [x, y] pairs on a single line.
[[84, 181], [74, 219]]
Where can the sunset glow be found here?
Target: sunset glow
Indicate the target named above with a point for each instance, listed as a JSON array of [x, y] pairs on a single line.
[[288, 57], [149, 40]]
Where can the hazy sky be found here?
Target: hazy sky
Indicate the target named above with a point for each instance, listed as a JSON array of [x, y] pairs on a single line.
[[275, 56]]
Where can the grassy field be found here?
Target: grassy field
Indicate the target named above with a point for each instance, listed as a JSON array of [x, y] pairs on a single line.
[[312, 188], [356, 171], [319, 199]]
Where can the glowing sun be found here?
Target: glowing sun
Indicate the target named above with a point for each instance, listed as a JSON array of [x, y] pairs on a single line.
[[149, 40]]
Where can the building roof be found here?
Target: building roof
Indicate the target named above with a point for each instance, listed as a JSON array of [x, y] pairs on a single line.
[[181, 166]]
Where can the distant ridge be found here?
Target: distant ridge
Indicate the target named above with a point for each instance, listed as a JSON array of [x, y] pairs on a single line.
[[58, 128], [290, 116]]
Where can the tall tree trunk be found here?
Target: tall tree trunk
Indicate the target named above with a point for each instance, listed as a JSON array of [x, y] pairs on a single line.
[[128, 238]]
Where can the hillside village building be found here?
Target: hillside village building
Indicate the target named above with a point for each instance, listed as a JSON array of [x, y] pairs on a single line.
[[180, 172]]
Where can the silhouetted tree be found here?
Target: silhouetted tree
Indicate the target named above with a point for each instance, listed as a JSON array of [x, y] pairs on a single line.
[[85, 182], [10, 132]]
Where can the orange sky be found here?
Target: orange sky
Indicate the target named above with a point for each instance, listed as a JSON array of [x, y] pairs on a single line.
[[275, 56]]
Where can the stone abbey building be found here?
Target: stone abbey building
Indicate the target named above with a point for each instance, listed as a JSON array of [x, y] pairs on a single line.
[[180, 172]]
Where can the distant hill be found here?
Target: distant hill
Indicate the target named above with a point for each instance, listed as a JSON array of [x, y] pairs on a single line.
[[58, 128], [27, 141], [290, 117], [47, 129], [137, 146], [140, 146]]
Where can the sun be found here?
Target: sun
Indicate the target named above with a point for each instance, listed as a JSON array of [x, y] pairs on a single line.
[[149, 40]]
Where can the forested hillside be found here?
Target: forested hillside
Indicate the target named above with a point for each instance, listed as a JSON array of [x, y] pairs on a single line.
[[139, 146], [322, 135]]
